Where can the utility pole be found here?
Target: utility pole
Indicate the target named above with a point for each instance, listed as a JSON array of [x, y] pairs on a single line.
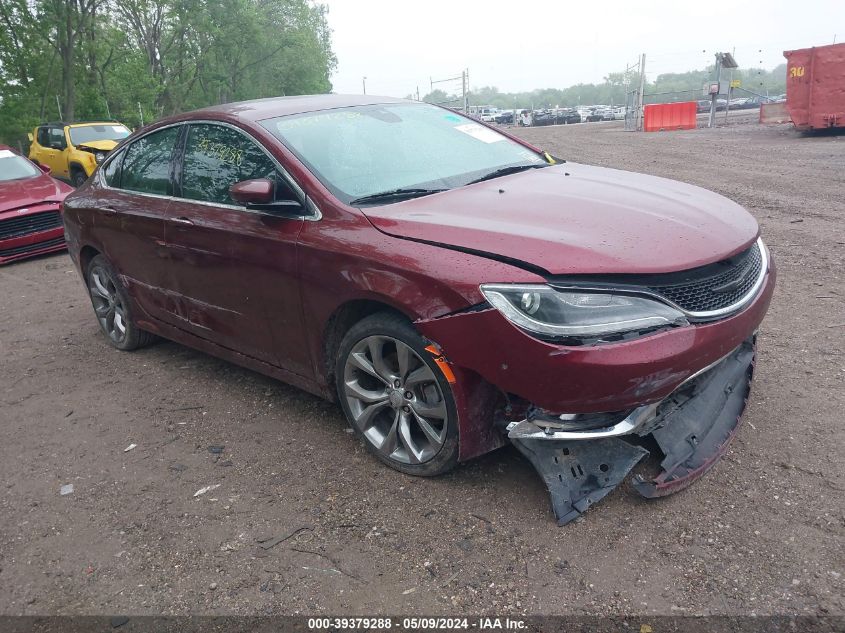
[[140, 114], [630, 114], [715, 96], [59, 106], [364, 82], [722, 60], [418, 93], [642, 89], [464, 77], [730, 91]]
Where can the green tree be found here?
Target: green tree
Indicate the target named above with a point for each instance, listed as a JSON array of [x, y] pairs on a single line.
[[139, 60]]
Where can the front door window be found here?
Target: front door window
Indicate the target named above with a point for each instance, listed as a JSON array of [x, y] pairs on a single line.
[[216, 157]]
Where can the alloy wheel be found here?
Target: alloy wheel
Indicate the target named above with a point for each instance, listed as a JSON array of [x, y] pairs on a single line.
[[108, 306], [395, 400]]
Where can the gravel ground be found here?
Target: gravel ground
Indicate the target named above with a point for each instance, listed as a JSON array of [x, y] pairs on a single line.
[[761, 534]]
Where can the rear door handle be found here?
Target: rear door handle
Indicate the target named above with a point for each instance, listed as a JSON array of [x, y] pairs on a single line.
[[183, 220]]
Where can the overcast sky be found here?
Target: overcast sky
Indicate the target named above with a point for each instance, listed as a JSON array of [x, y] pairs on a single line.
[[400, 45]]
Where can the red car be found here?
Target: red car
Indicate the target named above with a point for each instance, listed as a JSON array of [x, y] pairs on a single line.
[[452, 287], [30, 208]]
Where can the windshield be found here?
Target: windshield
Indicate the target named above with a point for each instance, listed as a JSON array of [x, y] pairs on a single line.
[[14, 167], [103, 132], [360, 151]]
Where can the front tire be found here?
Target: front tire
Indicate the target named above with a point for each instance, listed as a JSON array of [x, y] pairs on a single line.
[[112, 306], [395, 398], [78, 178]]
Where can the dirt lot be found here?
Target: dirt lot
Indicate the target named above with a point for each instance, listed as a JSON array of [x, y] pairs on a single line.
[[762, 533]]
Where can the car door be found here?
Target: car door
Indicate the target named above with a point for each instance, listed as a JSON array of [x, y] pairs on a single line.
[[55, 146], [235, 268], [131, 210]]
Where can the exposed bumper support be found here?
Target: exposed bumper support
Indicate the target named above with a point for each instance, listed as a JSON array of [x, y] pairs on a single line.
[[641, 418], [697, 432], [693, 427]]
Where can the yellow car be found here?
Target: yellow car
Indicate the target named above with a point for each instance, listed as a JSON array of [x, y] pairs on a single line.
[[72, 151]]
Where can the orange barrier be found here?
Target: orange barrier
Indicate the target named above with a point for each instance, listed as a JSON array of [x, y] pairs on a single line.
[[669, 116]]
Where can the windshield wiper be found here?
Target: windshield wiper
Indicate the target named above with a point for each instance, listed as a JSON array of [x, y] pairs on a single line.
[[504, 171], [395, 194]]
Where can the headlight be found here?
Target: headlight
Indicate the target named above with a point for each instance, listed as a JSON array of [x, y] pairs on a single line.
[[559, 314], [99, 157]]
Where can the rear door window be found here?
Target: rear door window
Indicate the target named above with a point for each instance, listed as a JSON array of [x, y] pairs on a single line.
[[147, 163], [111, 172], [217, 156], [56, 138]]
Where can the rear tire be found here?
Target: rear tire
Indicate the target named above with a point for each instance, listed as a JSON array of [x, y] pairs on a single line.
[[112, 307], [395, 397]]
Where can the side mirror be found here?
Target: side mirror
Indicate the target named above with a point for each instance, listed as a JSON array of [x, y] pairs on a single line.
[[258, 191], [45, 168], [258, 195]]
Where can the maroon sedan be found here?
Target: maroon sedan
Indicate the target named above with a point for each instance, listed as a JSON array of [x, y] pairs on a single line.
[[452, 287], [30, 208]]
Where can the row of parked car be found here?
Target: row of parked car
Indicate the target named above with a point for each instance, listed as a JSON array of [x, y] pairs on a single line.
[[588, 114], [550, 116], [739, 103]]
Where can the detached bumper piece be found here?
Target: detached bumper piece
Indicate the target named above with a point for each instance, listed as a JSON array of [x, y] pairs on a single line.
[[578, 474], [692, 427]]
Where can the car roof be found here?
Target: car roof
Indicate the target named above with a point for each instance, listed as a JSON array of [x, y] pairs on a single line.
[[259, 109], [86, 123]]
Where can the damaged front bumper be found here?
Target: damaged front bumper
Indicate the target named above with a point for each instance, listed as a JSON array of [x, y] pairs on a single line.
[[691, 428]]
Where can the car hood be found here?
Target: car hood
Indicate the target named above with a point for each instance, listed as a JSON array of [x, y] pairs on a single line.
[[105, 146], [576, 219], [17, 194]]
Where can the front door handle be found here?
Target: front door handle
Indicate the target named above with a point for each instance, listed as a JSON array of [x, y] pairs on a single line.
[[183, 220]]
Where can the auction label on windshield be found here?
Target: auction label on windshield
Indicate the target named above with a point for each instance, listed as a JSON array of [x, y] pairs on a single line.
[[480, 132]]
